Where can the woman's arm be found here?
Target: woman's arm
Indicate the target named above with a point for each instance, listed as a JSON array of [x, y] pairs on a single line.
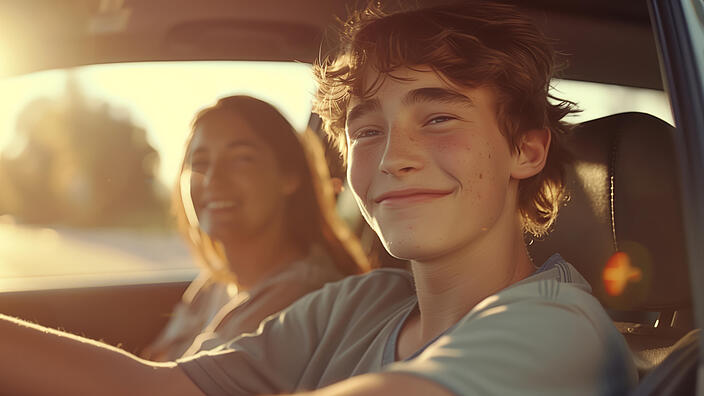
[[41, 361]]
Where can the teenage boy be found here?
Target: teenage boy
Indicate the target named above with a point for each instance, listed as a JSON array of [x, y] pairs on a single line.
[[453, 155]]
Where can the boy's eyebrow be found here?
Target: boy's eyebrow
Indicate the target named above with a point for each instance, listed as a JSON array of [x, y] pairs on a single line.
[[415, 96], [366, 106], [436, 95]]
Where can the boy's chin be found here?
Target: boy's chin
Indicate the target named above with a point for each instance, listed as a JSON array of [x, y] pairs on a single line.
[[408, 250]]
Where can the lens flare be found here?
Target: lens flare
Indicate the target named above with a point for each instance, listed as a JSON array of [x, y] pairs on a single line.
[[619, 272]]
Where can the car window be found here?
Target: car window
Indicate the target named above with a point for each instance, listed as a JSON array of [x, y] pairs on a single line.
[[88, 157], [599, 100], [76, 211]]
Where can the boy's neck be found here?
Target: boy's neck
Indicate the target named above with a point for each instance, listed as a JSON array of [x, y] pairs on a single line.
[[450, 286]]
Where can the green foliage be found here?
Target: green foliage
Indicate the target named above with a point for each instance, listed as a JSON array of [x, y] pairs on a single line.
[[79, 165]]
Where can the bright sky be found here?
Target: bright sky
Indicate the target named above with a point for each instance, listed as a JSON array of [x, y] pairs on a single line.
[[599, 100], [163, 97]]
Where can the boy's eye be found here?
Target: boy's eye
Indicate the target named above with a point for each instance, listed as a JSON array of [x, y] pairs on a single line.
[[439, 119]]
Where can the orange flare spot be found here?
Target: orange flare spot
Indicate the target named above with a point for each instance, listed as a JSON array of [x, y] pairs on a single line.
[[619, 272]]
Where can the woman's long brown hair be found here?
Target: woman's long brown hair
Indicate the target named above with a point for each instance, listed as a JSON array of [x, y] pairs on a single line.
[[311, 216]]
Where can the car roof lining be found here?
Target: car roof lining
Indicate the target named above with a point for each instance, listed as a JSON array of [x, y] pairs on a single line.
[[604, 41]]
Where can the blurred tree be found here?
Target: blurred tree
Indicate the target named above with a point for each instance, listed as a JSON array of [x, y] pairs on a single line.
[[75, 163]]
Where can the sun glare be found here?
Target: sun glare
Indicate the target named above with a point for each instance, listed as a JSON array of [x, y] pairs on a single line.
[[619, 272], [4, 55], [162, 98], [599, 100]]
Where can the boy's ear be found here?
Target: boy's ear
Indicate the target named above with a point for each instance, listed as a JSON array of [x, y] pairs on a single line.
[[532, 153]]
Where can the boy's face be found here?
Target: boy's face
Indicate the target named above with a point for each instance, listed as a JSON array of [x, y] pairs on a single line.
[[428, 166]]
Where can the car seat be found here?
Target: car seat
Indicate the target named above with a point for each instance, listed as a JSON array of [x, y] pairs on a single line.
[[621, 227], [677, 374]]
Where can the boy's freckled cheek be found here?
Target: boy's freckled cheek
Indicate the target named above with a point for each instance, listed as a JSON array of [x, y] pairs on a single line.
[[450, 141], [452, 146], [444, 146]]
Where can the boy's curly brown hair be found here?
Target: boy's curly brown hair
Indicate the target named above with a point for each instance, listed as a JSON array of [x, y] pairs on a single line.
[[472, 44]]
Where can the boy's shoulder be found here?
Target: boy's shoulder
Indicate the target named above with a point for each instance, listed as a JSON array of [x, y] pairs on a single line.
[[556, 284], [373, 284], [373, 277], [363, 301], [546, 333]]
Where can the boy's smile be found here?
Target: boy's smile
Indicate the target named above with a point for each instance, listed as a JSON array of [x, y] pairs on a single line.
[[409, 196], [428, 165]]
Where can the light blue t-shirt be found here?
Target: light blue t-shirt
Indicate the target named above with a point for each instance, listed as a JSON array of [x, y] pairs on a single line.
[[545, 335]]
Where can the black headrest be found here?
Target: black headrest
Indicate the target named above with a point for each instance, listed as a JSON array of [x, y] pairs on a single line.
[[623, 196]]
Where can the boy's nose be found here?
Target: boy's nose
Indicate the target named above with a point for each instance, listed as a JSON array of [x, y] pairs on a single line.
[[402, 154]]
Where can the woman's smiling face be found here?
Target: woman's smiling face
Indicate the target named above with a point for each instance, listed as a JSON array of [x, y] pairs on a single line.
[[428, 164], [236, 184]]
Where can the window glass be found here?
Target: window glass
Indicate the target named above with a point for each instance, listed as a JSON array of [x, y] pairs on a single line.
[[599, 100], [88, 157]]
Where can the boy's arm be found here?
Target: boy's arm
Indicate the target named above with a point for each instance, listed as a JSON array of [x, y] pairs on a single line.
[[40, 361], [514, 345]]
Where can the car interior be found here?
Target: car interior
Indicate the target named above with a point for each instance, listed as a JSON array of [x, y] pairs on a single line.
[[622, 226], [613, 208]]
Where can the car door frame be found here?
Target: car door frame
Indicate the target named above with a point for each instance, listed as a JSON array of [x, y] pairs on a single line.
[[679, 31]]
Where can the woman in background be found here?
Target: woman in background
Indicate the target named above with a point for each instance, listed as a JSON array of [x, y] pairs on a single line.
[[255, 202]]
